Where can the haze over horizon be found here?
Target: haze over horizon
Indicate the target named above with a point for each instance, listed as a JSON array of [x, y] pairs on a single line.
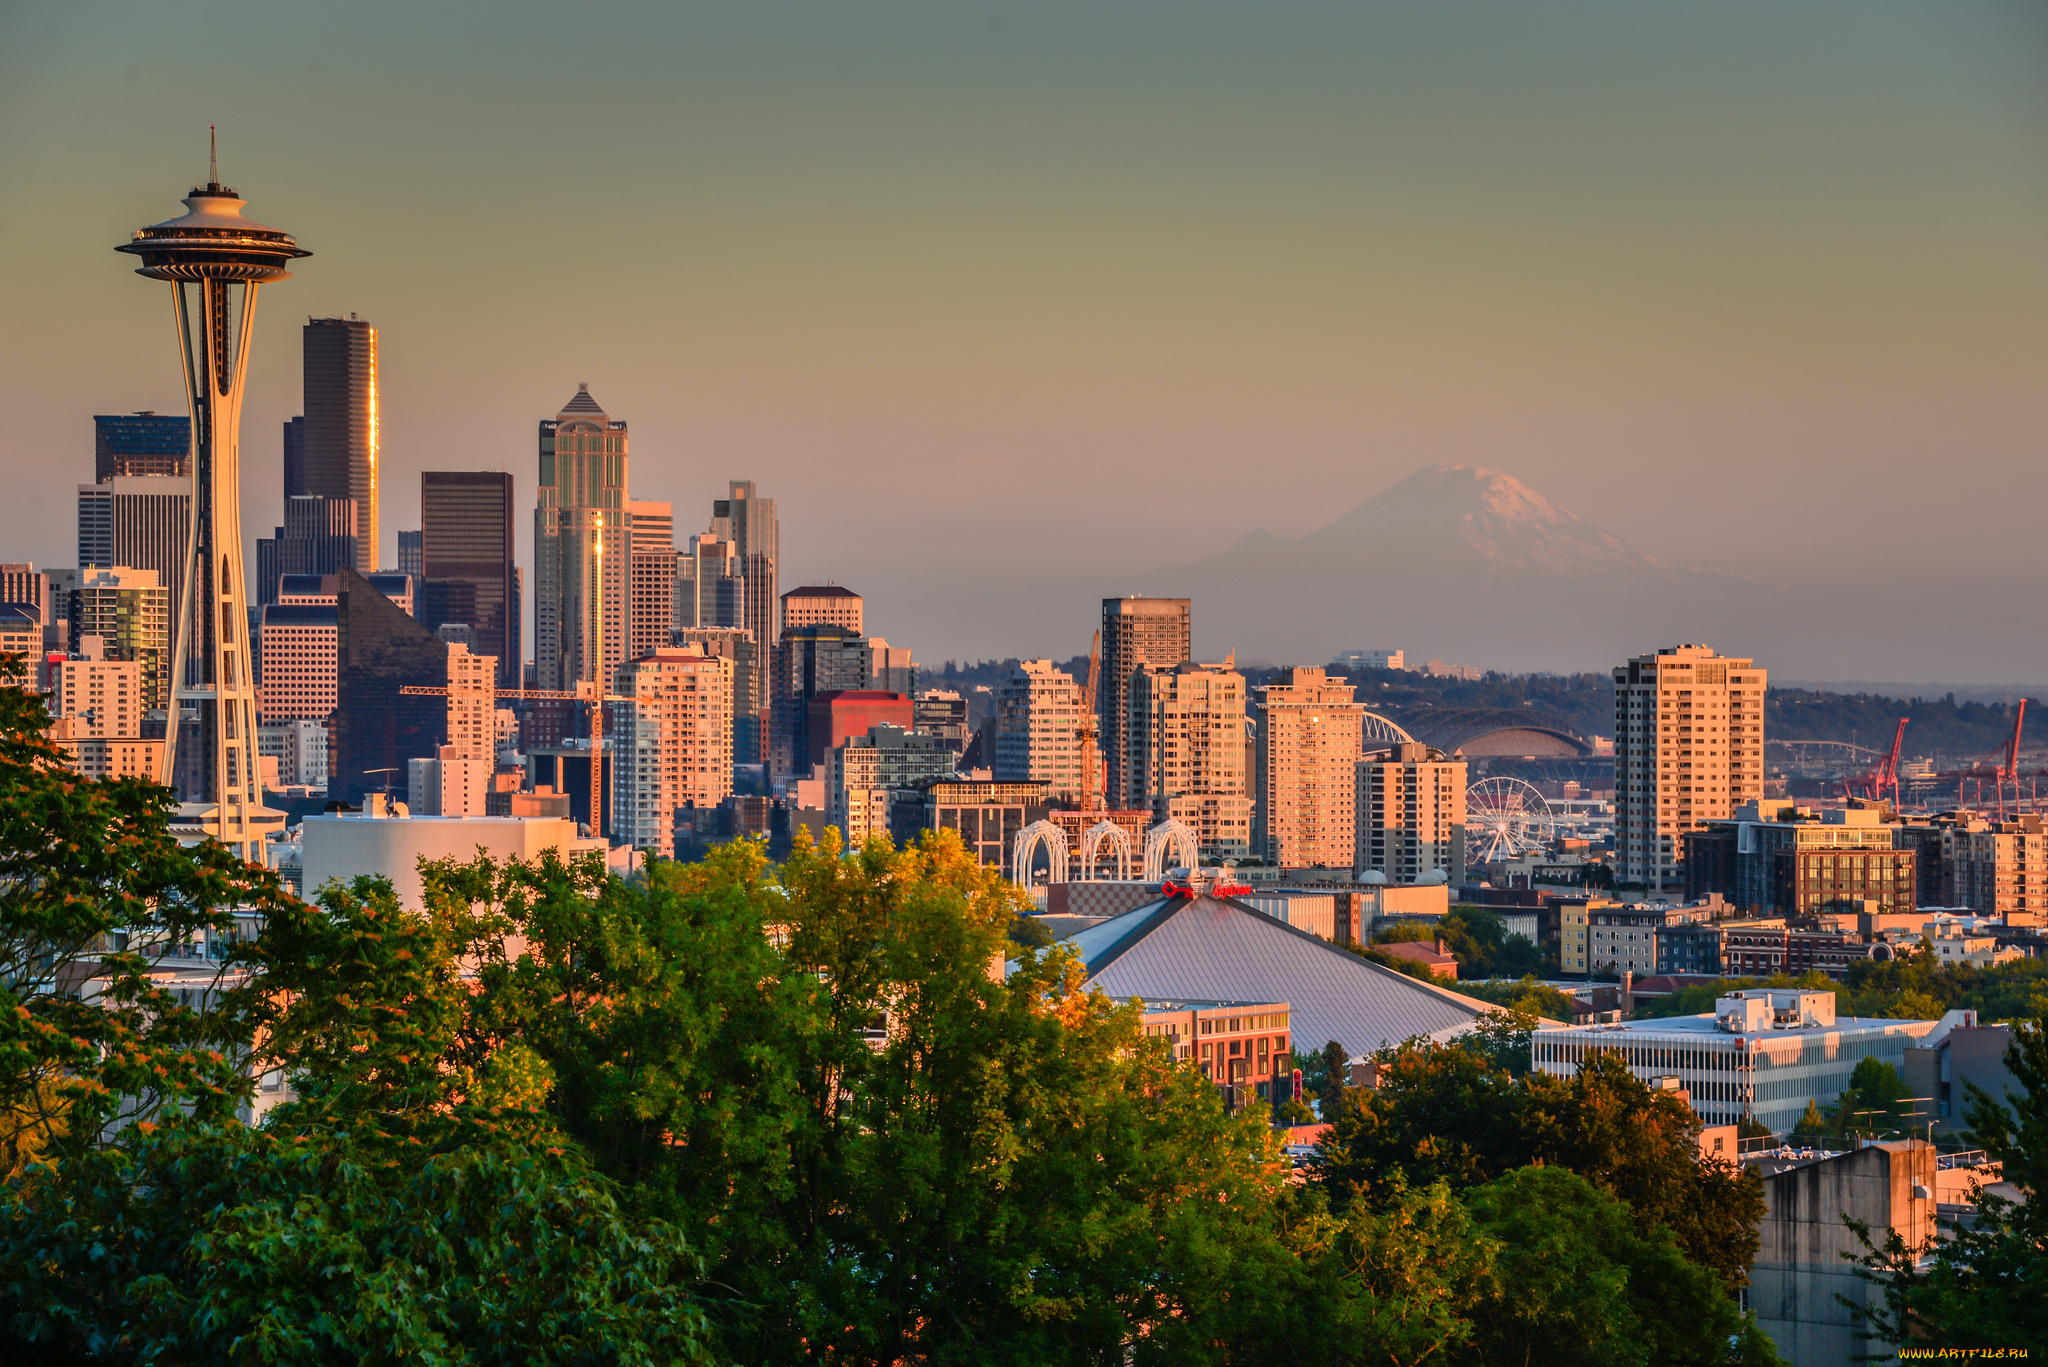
[[1012, 311]]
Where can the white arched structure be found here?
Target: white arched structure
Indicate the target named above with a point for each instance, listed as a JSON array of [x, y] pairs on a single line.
[[1119, 842], [1170, 837], [1028, 842], [1385, 732]]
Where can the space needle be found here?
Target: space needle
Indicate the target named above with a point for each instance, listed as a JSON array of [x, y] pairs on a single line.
[[214, 259]]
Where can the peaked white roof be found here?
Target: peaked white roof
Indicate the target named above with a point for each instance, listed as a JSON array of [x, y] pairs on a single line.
[[1216, 948]]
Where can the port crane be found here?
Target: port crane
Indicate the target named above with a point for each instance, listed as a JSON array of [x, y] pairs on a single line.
[[1885, 776]]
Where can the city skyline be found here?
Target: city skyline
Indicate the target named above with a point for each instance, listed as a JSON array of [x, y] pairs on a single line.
[[1329, 271]]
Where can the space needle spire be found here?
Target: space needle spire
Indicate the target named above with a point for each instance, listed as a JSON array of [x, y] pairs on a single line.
[[214, 259]]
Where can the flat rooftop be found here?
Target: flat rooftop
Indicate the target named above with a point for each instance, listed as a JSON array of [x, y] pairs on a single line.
[[1704, 1026]]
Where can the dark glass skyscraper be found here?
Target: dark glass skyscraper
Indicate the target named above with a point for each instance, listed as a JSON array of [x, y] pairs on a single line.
[[379, 650], [140, 444], [338, 451], [820, 658], [466, 561]]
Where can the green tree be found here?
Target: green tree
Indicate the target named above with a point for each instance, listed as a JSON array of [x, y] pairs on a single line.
[[93, 892], [213, 1242], [1875, 1101], [1580, 1283], [1449, 1113], [1984, 1281], [1325, 1074]]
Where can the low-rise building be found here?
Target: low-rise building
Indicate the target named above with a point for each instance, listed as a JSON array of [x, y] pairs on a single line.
[[986, 813], [343, 845], [1240, 1046], [1763, 1054]]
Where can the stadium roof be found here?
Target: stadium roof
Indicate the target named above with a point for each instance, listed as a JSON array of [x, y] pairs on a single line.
[[1218, 948]]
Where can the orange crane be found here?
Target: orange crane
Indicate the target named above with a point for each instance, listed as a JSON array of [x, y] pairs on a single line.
[[1886, 774], [1089, 733], [584, 692]]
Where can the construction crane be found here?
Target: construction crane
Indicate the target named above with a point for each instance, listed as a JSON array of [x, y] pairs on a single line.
[[1089, 734], [585, 692], [2009, 772]]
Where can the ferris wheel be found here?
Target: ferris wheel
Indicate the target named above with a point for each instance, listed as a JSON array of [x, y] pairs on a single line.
[[1505, 818]]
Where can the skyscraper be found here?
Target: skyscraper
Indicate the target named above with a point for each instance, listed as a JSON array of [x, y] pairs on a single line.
[[582, 547], [318, 537], [1187, 753], [809, 661], [1411, 814], [295, 456], [671, 743], [130, 612], [1310, 733], [466, 572], [840, 606], [1688, 748], [710, 587], [340, 449], [651, 609], [1135, 632], [380, 649], [747, 520], [144, 443], [138, 521], [215, 260], [1038, 727], [409, 553]]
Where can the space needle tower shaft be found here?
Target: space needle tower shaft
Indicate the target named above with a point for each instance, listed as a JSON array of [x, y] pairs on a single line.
[[214, 260]]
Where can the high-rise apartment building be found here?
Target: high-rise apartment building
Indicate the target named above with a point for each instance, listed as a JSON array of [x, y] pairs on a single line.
[[465, 561], [582, 547], [735, 644], [1135, 632], [1038, 730], [131, 615], [470, 724], [748, 521], [672, 743], [1996, 867], [140, 521], [1187, 753], [1688, 749], [339, 452], [811, 660], [102, 698], [1310, 732], [822, 603], [141, 444], [1411, 814], [651, 609]]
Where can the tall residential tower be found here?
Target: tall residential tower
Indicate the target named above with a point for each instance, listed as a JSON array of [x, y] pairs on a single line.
[[1135, 632], [1688, 748]]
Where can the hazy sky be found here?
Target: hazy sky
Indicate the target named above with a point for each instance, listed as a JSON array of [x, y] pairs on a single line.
[[1059, 293]]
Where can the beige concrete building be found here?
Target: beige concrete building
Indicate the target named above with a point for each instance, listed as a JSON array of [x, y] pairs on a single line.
[[823, 603], [651, 612], [1135, 632], [673, 743], [1688, 749], [1186, 727], [1310, 732], [1411, 814], [472, 704], [102, 757], [102, 699], [1038, 730], [297, 645], [1996, 867], [130, 611]]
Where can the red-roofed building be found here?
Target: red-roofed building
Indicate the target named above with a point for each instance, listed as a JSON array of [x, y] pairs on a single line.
[[1442, 964]]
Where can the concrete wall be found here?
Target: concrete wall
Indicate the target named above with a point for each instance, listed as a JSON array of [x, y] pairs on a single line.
[[1800, 1267], [341, 847]]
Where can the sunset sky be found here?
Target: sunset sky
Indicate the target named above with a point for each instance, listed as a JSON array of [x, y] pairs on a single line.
[[1062, 295]]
